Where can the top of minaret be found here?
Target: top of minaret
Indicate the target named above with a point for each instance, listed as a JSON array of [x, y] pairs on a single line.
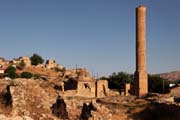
[[141, 7]]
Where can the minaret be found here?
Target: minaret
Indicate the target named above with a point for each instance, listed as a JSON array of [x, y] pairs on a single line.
[[140, 77]]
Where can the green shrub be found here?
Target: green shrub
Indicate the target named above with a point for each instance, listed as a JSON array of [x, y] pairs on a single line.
[[36, 59], [27, 75], [118, 80], [11, 72]]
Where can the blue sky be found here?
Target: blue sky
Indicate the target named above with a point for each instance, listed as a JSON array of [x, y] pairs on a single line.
[[96, 34]]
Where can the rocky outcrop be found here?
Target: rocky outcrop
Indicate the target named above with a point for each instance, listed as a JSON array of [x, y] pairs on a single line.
[[5, 97], [5, 101], [59, 108], [27, 100], [86, 111]]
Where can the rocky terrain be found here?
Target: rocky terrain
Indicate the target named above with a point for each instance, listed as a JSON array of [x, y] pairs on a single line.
[[53, 94], [30, 99]]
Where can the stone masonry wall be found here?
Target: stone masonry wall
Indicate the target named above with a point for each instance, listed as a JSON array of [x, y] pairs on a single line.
[[86, 88], [102, 89]]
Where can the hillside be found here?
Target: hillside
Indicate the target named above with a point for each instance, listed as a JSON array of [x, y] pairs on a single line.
[[58, 93], [29, 99], [171, 76]]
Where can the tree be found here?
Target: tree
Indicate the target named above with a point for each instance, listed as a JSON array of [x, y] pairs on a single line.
[[36, 59], [118, 80], [11, 72], [157, 84], [26, 75]]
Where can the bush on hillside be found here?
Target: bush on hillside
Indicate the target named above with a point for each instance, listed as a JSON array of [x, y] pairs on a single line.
[[27, 75], [36, 59], [11, 72]]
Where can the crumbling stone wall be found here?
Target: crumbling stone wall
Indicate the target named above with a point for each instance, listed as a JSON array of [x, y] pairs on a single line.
[[86, 88], [79, 73], [127, 89], [26, 60], [92, 88], [52, 64], [102, 89]]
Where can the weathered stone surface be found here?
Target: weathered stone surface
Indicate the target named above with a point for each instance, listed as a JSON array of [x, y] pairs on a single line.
[[102, 89], [127, 89], [24, 59], [5, 97], [86, 111], [52, 64], [86, 88], [5, 100], [140, 81], [59, 108]]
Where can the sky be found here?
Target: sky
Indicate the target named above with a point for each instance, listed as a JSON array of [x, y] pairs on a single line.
[[95, 34]]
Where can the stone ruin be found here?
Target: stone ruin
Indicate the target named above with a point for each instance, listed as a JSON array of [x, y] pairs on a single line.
[[24, 59], [52, 64], [89, 87], [102, 89], [84, 85], [127, 89], [140, 83], [139, 87], [80, 73], [86, 88]]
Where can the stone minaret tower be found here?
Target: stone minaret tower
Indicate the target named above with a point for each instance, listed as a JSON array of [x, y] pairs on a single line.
[[140, 77]]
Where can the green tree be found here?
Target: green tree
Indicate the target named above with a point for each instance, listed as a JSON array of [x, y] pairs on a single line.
[[11, 72], [118, 80], [27, 75], [157, 84], [104, 78], [36, 59]]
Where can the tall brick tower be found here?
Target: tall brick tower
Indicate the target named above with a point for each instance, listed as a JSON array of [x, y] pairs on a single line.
[[140, 76]]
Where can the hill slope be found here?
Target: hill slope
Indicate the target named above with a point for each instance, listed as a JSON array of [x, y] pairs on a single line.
[[171, 76]]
